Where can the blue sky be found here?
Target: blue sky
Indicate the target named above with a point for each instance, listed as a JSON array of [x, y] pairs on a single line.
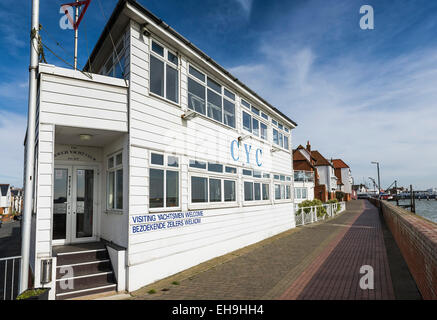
[[359, 95]]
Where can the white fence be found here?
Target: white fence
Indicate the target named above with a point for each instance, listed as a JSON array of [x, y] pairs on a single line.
[[9, 272], [308, 215]]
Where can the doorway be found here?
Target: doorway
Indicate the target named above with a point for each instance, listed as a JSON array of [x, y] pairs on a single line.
[[75, 192]]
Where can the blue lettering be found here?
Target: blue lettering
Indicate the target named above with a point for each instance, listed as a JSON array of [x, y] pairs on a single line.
[[247, 152], [232, 150], [260, 153]]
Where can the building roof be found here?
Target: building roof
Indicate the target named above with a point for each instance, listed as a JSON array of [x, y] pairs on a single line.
[[320, 160], [338, 163], [4, 189], [116, 13]]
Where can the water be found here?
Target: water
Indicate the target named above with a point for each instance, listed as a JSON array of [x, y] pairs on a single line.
[[424, 208]]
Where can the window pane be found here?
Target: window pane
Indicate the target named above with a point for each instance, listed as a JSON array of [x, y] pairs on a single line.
[[196, 96], [282, 177], [157, 48], [110, 162], [287, 192], [263, 131], [119, 190], [172, 84], [215, 190], [304, 193], [281, 136], [244, 103], [172, 58], [214, 167], [264, 116], [286, 142], [229, 187], [214, 86], [111, 193], [257, 188], [172, 189], [119, 67], [248, 191], [247, 172], [280, 126], [229, 94], [214, 105], [197, 164], [229, 113], [277, 191], [255, 110], [173, 161], [157, 159], [274, 122], [156, 187], [199, 75], [298, 193], [257, 174], [266, 191], [231, 170], [255, 127], [266, 175], [275, 136], [156, 76], [199, 189], [118, 159], [282, 191], [247, 121]]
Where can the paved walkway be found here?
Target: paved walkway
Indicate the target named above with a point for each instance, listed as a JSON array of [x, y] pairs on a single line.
[[319, 261]]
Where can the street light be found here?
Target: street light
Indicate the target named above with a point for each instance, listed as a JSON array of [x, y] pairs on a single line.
[[379, 179]]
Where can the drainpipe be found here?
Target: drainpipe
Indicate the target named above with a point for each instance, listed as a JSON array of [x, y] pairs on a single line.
[[30, 150]]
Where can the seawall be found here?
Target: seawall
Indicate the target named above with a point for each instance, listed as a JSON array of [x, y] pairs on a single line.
[[416, 238]]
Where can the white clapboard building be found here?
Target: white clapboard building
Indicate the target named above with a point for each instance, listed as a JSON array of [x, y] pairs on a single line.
[[151, 160]]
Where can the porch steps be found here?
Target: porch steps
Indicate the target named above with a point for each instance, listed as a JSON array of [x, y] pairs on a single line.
[[87, 266]]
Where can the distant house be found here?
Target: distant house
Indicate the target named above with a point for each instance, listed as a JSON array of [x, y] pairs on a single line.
[[344, 178], [17, 200], [5, 199], [325, 181], [305, 174]]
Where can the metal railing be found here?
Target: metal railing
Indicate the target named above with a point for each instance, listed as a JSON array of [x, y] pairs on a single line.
[[303, 176], [9, 272], [308, 215]]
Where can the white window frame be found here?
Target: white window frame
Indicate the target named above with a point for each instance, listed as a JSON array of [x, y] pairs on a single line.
[[165, 167], [253, 116], [114, 169], [283, 187], [166, 62], [222, 94]]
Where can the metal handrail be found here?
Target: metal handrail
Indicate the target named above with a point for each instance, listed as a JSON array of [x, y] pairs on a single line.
[[5, 278]]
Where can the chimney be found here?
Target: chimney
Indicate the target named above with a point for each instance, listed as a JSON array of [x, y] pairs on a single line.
[[308, 146]]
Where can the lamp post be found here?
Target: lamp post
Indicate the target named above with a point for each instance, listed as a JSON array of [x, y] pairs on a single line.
[[374, 184], [379, 179]]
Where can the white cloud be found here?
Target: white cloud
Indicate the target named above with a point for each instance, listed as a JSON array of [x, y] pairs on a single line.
[[246, 5], [12, 131], [361, 111]]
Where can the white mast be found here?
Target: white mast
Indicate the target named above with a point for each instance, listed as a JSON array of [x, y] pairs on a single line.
[[76, 33], [30, 150]]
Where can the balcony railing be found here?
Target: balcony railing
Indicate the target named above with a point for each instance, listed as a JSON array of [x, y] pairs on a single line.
[[303, 176]]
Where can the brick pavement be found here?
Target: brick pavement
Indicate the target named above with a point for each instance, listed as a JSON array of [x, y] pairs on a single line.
[[319, 261]]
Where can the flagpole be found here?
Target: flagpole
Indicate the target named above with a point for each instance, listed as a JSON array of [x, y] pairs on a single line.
[[29, 150], [76, 34]]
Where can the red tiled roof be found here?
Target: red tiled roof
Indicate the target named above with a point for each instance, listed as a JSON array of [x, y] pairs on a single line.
[[338, 163], [320, 160]]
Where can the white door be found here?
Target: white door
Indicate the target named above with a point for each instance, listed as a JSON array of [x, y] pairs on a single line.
[[74, 204]]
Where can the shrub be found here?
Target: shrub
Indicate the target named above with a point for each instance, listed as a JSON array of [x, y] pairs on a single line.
[[321, 211]]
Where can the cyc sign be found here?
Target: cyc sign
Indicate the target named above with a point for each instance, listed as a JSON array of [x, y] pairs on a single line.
[[247, 148]]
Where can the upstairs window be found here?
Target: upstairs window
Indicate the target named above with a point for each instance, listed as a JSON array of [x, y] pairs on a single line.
[[210, 98], [116, 64], [252, 121], [164, 74]]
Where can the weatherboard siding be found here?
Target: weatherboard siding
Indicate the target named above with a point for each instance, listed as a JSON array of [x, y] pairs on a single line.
[[70, 98], [156, 125]]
